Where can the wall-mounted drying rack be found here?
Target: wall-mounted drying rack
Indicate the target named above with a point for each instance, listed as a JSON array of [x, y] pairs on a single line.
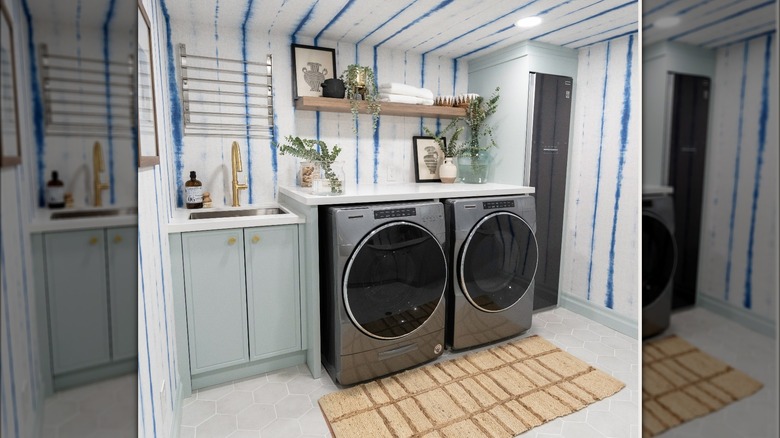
[[79, 93], [226, 97]]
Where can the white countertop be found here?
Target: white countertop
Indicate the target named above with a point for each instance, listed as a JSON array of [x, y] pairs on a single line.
[[657, 190], [43, 222], [181, 223], [403, 192]]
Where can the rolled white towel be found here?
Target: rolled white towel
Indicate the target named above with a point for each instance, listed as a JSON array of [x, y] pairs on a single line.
[[406, 90], [398, 98]]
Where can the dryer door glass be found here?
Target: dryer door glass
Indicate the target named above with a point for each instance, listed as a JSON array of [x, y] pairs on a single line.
[[658, 254], [394, 280], [497, 262]]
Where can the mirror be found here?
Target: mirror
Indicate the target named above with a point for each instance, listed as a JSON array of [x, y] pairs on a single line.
[[10, 144], [148, 149]]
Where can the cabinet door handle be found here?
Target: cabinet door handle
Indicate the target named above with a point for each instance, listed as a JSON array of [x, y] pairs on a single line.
[[255, 239], [117, 239], [232, 241], [93, 240]]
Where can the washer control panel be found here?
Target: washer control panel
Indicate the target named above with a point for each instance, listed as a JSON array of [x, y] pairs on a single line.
[[395, 212], [489, 205]]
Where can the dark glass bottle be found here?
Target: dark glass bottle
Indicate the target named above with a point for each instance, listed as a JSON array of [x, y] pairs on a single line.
[[55, 192], [193, 192]]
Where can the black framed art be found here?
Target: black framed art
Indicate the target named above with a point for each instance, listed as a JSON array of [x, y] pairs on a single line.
[[427, 158], [310, 67]]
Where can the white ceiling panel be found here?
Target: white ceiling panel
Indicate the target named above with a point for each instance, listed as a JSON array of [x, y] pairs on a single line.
[[451, 28], [708, 23]]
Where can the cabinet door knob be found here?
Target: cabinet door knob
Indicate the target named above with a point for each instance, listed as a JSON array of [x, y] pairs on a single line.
[[232, 241], [117, 239], [93, 240], [255, 239]]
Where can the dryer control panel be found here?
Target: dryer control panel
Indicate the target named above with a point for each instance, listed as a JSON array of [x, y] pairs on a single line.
[[395, 212], [489, 205]]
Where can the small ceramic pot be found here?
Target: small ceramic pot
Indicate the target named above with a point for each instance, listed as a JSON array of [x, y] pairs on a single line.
[[333, 88]]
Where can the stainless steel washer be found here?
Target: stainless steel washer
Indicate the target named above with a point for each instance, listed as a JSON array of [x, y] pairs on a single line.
[[382, 300], [494, 257], [659, 257]]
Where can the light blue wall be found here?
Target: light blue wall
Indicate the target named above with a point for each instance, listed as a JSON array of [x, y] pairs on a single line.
[[21, 387], [739, 241], [601, 232]]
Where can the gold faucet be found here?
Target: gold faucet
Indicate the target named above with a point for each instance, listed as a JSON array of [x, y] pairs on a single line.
[[235, 159], [98, 165]]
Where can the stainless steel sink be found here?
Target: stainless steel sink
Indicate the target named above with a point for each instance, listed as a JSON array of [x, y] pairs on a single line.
[[82, 214], [237, 213]]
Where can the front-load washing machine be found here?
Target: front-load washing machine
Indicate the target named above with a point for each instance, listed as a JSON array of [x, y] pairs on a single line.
[[382, 300], [659, 256], [494, 256]]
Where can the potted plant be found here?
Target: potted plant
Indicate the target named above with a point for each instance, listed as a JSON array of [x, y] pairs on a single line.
[[448, 172], [360, 85], [473, 159], [328, 176]]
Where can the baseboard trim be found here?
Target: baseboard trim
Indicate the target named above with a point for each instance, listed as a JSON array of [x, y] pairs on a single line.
[[743, 317], [600, 315], [177, 408]]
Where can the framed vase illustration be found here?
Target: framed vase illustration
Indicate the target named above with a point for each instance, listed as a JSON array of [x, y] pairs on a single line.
[[311, 66], [427, 158]]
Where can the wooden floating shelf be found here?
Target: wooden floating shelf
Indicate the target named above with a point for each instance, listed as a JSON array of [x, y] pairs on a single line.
[[386, 108]]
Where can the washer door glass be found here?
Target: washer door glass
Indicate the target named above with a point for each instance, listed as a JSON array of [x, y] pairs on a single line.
[[497, 262], [394, 280], [658, 258]]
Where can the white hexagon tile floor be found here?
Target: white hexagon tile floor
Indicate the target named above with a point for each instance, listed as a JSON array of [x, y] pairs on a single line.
[[283, 404], [745, 350], [104, 409]]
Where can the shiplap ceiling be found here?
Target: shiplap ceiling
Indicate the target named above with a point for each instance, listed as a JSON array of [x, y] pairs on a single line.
[[455, 29], [64, 15], [708, 23]]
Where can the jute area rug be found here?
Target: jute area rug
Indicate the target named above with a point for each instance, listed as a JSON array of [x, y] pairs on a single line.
[[499, 392], [680, 383]]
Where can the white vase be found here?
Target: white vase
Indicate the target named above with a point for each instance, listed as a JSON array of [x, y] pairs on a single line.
[[448, 171]]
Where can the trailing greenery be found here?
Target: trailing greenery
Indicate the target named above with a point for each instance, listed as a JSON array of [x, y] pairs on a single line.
[[313, 150], [450, 150], [365, 90]]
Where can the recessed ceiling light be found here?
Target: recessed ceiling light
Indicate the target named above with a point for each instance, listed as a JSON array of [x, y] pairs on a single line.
[[528, 22], [665, 22]]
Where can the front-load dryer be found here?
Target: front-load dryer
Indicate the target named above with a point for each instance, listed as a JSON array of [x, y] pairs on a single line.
[[494, 256], [659, 256], [383, 294]]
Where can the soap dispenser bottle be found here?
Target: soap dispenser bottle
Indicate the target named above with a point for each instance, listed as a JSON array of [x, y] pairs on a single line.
[[55, 192], [193, 192]]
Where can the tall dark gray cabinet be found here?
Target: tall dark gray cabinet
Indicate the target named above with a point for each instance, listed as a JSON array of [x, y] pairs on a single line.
[[687, 148], [549, 118]]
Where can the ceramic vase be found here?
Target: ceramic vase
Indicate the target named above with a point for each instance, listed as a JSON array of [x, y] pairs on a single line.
[[448, 171]]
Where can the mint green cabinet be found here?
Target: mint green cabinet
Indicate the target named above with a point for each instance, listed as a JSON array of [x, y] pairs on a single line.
[[77, 300], [237, 295], [274, 299], [122, 250], [215, 286], [86, 300]]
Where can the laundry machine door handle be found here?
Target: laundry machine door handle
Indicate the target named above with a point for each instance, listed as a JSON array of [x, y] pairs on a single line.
[[396, 351]]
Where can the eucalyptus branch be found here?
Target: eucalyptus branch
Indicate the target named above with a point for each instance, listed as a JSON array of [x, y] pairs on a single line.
[[307, 149]]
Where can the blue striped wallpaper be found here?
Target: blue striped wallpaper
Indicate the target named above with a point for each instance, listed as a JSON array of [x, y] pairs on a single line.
[[601, 238], [21, 392], [740, 236]]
